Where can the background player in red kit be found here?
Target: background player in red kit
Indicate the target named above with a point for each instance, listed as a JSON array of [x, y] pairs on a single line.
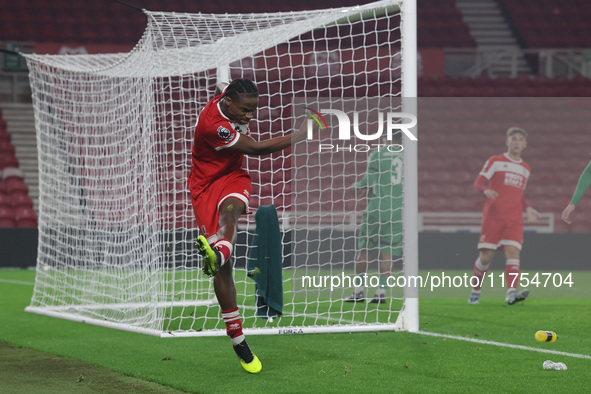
[[502, 180], [220, 191]]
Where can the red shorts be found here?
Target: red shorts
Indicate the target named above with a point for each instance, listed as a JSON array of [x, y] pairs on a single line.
[[206, 204], [498, 233]]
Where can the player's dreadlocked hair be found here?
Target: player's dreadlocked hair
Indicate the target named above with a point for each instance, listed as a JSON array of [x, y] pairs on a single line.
[[241, 86]]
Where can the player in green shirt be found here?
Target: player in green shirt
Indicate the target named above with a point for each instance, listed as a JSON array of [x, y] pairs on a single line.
[[582, 186], [381, 224]]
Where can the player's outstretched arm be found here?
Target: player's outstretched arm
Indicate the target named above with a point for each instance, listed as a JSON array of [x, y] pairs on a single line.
[[249, 146]]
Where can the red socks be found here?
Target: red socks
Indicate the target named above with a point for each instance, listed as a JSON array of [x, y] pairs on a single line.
[[225, 248], [479, 271], [512, 273], [233, 325]]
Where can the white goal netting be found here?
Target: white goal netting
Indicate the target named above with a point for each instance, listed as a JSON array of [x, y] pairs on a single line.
[[115, 131]]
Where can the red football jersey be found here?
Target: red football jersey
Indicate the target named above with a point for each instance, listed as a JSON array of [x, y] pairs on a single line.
[[508, 178], [211, 159]]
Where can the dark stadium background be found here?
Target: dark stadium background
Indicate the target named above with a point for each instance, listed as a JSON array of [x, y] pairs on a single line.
[[494, 49]]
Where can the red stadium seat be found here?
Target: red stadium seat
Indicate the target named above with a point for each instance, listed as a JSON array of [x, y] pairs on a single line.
[[8, 160], [16, 185], [4, 135], [5, 201], [21, 200], [6, 217], [6, 148], [548, 25], [25, 217]]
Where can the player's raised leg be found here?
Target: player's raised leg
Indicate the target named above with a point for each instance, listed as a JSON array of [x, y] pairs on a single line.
[[220, 267]]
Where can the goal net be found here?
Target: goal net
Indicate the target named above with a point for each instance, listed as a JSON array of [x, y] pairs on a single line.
[[115, 131]]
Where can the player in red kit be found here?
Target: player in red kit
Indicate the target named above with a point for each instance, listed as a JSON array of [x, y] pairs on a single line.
[[220, 192], [502, 180]]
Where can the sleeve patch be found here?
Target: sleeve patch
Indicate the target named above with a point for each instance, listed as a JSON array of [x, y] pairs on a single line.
[[225, 133]]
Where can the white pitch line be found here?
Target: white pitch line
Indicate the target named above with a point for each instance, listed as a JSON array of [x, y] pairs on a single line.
[[16, 282], [509, 345]]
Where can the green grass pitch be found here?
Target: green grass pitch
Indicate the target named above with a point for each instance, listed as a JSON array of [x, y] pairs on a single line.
[[364, 362]]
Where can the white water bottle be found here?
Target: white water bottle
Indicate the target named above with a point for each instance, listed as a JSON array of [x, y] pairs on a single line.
[[548, 364]]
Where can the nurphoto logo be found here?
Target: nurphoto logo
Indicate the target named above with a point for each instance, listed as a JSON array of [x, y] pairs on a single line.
[[388, 124]]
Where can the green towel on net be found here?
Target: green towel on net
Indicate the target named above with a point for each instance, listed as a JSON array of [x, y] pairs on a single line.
[[265, 262]]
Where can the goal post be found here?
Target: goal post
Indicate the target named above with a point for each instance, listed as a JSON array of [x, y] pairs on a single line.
[[114, 135], [411, 188]]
